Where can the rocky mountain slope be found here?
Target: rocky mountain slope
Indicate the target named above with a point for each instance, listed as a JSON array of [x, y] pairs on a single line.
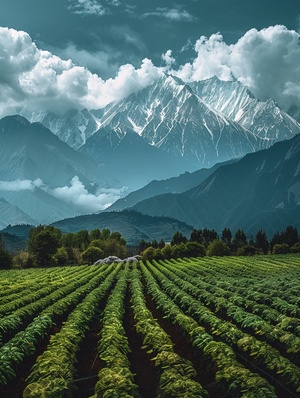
[[262, 190]]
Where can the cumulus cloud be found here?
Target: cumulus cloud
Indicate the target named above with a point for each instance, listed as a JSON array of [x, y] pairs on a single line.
[[40, 80], [171, 14], [20, 185], [78, 196], [266, 61]]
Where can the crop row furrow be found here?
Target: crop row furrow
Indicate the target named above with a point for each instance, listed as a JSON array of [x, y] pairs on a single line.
[[256, 351], [176, 374], [24, 315], [38, 293], [230, 373], [25, 342], [115, 377], [246, 296], [221, 305], [52, 375], [35, 278]]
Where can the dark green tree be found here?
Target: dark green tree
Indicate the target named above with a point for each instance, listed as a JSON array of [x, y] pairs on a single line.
[[209, 235], [277, 239], [261, 241], [290, 235], [6, 259], [226, 236], [1, 242], [82, 239], [196, 236], [143, 245], [105, 234], [43, 243], [154, 244], [178, 238], [161, 244], [240, 238], [152, 254], [95, 234], [115, 247]]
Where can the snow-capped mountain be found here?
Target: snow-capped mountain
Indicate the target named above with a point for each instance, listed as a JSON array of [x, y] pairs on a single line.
[[201, 123], [164, 130], [169, 116], [74, 127], [263, 118]]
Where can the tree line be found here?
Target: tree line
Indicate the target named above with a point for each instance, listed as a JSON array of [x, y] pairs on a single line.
[[48, 246], [208, 242]]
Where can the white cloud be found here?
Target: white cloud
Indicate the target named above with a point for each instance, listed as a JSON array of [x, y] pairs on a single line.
[[75, 195], [78, 196], [169, 60], [88, 7], [212, 59], [40, 80], [172, 14], [92, 7], [20, 185], [267, 61]]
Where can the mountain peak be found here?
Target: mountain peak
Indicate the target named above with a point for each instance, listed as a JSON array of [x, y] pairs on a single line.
[[13, 121]]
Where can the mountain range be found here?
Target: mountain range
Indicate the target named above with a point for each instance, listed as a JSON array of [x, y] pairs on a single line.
[[171, 127], [262, 190], [170, 137]]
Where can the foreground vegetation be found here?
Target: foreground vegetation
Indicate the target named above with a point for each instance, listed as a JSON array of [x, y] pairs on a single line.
[[192, 327]]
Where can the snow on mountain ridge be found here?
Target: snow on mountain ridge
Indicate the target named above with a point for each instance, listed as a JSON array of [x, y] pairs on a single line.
[[207, 121]]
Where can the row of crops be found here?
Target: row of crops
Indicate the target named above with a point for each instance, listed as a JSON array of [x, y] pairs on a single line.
[[205, 327]]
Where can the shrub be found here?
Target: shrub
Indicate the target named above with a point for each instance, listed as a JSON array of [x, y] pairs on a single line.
[[217, 248], [24, 259], [246, 250], [61, 256], [295, 248], [92, 254], [281, 248]]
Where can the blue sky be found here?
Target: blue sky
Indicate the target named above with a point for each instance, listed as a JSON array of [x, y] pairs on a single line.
[[59, 54]]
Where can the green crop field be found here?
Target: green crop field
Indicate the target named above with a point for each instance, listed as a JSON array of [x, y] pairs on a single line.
[[201, 327]]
